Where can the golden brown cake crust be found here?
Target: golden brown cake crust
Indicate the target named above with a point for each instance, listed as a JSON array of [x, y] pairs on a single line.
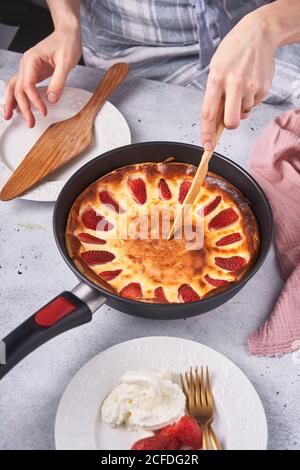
[[157, 270]]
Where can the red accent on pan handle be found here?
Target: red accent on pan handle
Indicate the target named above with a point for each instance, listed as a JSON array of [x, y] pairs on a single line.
[[53, 312]]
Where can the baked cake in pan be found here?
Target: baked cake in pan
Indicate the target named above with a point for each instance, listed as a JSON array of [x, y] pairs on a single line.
[[152, 269]]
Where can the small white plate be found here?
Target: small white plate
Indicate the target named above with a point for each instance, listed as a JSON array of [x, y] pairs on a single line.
[[110, 131], [240, 420]]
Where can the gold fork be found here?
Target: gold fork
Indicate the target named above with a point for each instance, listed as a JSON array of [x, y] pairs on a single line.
[[200, 403]]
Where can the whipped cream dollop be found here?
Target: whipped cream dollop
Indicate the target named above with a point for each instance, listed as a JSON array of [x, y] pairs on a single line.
[[142, 399]]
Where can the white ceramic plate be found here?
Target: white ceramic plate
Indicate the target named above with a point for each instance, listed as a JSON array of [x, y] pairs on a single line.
[[240, 421], [110, 131]]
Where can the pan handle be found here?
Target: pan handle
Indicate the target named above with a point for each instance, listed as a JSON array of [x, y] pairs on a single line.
[[64, 312]]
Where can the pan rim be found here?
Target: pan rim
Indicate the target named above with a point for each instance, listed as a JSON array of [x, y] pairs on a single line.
[[170, 306]]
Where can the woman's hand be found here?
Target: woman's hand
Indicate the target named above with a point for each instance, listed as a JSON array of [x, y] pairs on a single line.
[[54, 56], [241, 73]]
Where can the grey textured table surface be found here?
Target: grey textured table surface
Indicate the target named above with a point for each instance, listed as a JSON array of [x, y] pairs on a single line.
[[32, 271]]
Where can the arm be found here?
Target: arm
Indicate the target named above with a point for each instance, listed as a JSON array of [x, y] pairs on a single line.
[[53, 57], [66, 19], [242, 68], [65, 12], [284, 21]]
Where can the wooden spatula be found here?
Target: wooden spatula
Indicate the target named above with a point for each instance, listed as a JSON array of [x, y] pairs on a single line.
[[64, 140], [197, 182]]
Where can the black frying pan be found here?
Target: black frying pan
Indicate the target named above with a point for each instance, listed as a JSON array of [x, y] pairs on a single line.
[[74, 308]]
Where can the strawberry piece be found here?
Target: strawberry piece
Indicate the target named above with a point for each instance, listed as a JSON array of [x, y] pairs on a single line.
[[160, 296], [94, 257], [138, 189], [230, 264], [212, 205], [188, 432], [187, 294], [87, 238], [173, 444], [223, 219], [215, 282], [94, 221], [108, 200], [169, 432], [90, 219], [109, 275], [132, 291], [156, 442], [183, 190], [164, 190], [229, 239]]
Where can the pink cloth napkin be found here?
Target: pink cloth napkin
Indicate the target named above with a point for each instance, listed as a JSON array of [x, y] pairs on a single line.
[[275, 163]]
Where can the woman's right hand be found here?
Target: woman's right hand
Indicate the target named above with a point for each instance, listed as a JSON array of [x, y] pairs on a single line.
[[54, 56]]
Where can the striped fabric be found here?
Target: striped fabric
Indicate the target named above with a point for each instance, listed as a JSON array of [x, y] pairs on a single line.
[[159, 38], [174, 40]]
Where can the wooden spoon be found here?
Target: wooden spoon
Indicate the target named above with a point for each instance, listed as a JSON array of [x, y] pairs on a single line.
[[64, 140], [197, 182]]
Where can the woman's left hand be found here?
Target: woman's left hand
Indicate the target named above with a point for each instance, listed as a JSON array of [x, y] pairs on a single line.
[[241, 73]]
